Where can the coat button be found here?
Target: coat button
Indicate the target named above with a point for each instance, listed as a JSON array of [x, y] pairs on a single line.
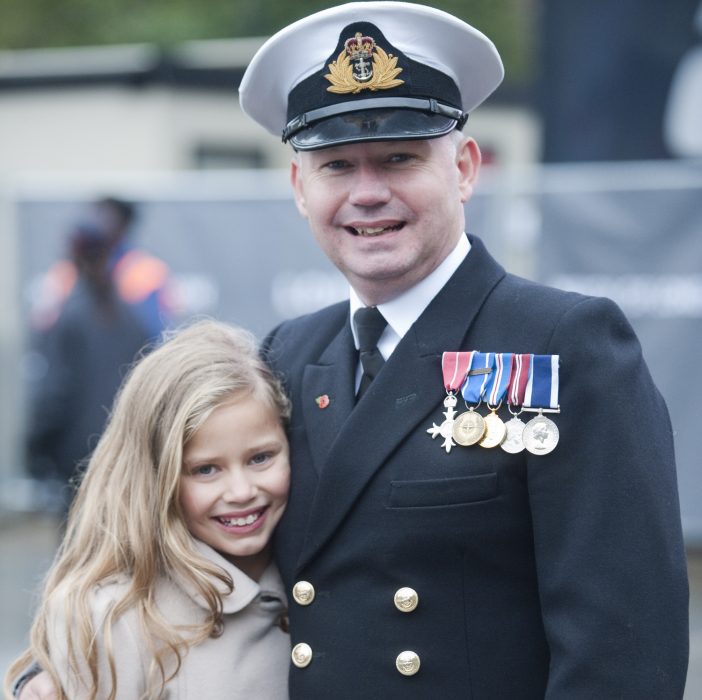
[[303, 592], [407, 663], [301, 655], [406, 599]]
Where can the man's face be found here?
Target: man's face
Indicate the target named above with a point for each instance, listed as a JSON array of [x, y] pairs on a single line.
[[386, 213]]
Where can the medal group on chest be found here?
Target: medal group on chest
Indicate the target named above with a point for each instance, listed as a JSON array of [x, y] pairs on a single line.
[[524, 382]]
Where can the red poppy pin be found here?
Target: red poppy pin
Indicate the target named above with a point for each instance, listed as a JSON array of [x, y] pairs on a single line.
[[322, 401]]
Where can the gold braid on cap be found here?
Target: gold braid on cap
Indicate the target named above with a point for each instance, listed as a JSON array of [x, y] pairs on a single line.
[[347, 76]]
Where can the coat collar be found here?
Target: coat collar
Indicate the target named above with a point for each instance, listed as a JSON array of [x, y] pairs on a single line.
[[246, 590]]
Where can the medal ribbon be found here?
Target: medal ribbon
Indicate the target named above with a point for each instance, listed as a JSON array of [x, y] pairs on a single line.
[[519, 377], [477, 381], [496, 389], [455, 366], [542, 389]]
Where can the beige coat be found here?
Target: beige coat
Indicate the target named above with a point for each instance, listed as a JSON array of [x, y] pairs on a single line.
[[250, 659]]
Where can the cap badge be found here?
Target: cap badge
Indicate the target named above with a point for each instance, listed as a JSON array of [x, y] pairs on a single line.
[[352, 71]]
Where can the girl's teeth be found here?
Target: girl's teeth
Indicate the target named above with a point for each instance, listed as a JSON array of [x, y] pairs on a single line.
[[240, 522]]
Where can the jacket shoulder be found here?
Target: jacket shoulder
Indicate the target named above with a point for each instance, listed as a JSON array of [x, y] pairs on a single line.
[[535, 311]]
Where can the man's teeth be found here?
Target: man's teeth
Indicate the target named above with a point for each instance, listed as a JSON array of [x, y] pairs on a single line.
[[240, 522], [374, 230], [370, 231]]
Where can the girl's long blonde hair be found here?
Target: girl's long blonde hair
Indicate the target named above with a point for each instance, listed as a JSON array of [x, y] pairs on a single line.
[[126, 522]]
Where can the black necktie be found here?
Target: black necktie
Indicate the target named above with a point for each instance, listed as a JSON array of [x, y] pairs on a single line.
[[370, 325]]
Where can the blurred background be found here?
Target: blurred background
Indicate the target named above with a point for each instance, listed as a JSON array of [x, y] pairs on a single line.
[[593, 182]]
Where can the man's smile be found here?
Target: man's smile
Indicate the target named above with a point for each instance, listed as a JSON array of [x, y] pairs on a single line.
[[371, 231]]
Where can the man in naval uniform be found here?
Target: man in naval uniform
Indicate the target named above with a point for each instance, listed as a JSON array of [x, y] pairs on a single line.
[[417, 567], [418, 570]]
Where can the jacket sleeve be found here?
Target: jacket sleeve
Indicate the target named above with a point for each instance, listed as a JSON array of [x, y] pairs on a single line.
[[606, 521]]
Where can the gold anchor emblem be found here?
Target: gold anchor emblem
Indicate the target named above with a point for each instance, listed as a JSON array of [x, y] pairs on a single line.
[[352, 71]]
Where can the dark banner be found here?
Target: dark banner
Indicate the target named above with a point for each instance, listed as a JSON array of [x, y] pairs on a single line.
[[606, 73], [634, 234]]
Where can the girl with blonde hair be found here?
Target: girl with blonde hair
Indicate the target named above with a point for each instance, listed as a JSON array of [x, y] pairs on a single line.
[[164, 585]]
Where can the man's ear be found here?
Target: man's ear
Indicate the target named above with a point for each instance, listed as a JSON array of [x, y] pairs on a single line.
[[468, 160], [296, 180]]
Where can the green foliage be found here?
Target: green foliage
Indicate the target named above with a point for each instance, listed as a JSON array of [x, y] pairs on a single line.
[[49, 23]]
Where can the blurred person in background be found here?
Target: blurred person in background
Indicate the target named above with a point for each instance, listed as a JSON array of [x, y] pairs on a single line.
[[79, 362], [140, 279]]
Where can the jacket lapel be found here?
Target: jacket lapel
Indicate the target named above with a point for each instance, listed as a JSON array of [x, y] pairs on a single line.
[[328, 394], [403, 395]]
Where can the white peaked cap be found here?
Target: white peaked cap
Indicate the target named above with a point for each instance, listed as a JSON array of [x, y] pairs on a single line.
[[430, 42]]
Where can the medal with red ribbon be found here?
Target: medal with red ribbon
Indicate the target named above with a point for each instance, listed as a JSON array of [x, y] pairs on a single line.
[[519, 378], [521, 373], [526, 382], [455, 367]]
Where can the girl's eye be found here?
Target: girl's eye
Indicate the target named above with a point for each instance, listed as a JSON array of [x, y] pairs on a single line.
[[260, 458], [203, 470]]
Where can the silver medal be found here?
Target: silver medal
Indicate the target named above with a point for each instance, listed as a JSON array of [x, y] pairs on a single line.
[[446, 428], [540, 435], [514, 440]]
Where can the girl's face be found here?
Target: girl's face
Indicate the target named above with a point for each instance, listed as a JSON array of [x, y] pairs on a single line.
[[235, 480]]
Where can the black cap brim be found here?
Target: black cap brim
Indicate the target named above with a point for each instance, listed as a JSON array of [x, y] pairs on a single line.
[[372, 125]]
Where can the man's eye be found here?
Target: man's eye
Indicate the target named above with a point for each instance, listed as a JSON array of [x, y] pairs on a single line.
[[336, 165], [399, 158]]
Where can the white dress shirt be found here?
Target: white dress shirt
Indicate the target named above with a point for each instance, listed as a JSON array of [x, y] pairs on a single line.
[[404, 310]]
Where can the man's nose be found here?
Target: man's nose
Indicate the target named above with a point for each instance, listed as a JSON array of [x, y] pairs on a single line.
[[369, 187]]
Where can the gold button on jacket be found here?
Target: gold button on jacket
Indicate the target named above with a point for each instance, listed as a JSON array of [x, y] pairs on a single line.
[[407, 663], [303, 592], [406, 599], [301, 655]]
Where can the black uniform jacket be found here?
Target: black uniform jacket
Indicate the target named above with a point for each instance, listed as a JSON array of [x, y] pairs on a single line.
[[557, 576]]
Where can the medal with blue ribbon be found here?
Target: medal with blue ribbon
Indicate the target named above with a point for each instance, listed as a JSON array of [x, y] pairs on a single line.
[[541, 433], [495, 430], [469, 428], [497, 388], [525, 382]]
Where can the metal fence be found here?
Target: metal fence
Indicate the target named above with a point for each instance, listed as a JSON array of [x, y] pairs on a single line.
[[240, 252]]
